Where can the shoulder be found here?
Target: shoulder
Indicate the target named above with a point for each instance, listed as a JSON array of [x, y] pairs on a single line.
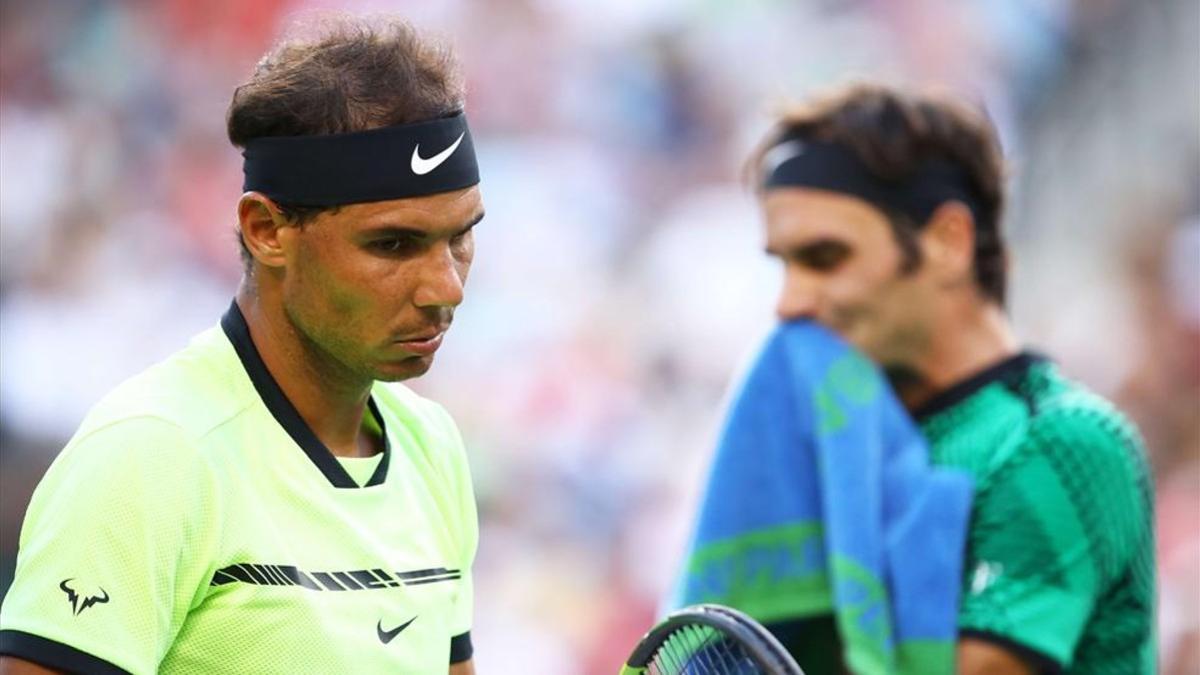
[[419, 415], [422, 429], [1082, 461], [155, 422], [1075, 427], [130, 457], [427, 436], [137, 473], [192, 391]]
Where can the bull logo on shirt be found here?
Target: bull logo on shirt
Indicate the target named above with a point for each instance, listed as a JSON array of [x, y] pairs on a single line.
[[78, 602]]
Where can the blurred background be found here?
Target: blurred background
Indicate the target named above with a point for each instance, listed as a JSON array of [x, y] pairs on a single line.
[[619, 280]]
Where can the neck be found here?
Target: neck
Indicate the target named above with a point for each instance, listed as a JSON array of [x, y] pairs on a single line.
[[331, 399], [967, 342]]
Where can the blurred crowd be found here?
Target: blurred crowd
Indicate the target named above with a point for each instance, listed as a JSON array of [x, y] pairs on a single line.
[[619, 281]]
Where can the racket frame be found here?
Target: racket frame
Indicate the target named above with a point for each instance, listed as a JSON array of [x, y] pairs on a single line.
[[757, 641]]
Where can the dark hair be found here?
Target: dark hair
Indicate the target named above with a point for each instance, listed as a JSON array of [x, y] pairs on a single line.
[[892, 133], [342, 74]]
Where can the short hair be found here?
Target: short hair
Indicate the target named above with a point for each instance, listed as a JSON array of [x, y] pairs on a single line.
[[341, 74], [892, 132]]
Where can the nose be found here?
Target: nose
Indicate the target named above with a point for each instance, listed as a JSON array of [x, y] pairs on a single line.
[[798, 298], [441, 280]]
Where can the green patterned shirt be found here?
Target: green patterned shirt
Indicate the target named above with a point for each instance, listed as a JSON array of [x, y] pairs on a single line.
[[1060, 559]]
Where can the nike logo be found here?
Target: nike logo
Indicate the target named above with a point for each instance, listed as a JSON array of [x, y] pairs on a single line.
[[780, 154], [73, 597], [986, 573], [386, 636], [422, 166]]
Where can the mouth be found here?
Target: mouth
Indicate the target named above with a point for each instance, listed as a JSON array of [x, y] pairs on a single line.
[[424, 343]]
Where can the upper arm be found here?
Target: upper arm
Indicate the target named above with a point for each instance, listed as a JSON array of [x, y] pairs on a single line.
[[1051, 530], [15, 666], [977, 657], [462, 617], [112, 552], [462, 509]]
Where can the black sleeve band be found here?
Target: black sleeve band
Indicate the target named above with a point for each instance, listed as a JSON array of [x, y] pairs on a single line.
[[1041, 664], [460, 648], [51, 654]]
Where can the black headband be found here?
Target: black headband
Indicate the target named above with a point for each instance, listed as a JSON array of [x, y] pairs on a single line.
[[363, 166], [796, 162]]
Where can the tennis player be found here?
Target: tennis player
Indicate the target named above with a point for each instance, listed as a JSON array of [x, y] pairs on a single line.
[[884, 208], [261, 502]]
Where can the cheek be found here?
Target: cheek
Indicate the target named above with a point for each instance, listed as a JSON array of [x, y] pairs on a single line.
[[330, 291], [463, 267], [464, 257], [855, 291], [902, 309], [867, 298]]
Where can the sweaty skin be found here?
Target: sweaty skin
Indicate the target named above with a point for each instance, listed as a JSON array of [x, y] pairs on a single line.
[[361, 294]]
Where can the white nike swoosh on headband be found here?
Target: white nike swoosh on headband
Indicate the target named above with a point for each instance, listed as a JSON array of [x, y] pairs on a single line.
[[422, 166], [780, 154]]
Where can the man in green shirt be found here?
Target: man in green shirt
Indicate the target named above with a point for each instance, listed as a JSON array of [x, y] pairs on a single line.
[[263, 501], [884, 208]]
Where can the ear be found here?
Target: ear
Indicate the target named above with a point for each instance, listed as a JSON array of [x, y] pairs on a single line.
[[261, 222], [948, 243]]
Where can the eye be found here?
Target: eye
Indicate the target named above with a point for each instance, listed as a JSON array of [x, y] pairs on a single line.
[[461, 243], [824, 256], [393, 245]]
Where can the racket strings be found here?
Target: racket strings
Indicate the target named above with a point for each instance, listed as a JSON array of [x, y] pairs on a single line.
[[700, 650]]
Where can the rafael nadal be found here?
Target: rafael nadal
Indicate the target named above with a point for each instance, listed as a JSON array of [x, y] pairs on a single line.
[[260, 502]]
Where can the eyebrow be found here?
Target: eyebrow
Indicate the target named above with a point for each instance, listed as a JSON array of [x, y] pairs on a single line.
[[804, 247], [473, 222], [402, 231]]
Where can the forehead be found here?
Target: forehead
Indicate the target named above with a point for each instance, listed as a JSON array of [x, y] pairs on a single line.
[[797, 216], [449, 211]]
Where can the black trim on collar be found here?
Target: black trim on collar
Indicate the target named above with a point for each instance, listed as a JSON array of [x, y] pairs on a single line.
[[1009, 368], [235, 327], [56, 655]]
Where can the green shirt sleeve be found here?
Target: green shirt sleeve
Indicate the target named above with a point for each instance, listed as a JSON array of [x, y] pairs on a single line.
[[113, 551], [1052, 528], [468, 526]]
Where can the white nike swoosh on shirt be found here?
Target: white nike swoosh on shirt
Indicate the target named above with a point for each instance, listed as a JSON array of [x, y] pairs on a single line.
[[422, 166]]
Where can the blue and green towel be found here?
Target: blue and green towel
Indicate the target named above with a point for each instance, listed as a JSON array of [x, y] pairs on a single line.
[[821, 500]]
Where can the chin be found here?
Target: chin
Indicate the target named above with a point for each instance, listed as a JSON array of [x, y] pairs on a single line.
[[407, 369], [866, 343], [860, 343], [882, 357]]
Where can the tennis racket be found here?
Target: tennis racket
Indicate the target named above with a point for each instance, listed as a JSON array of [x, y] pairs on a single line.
[[709, 640]]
